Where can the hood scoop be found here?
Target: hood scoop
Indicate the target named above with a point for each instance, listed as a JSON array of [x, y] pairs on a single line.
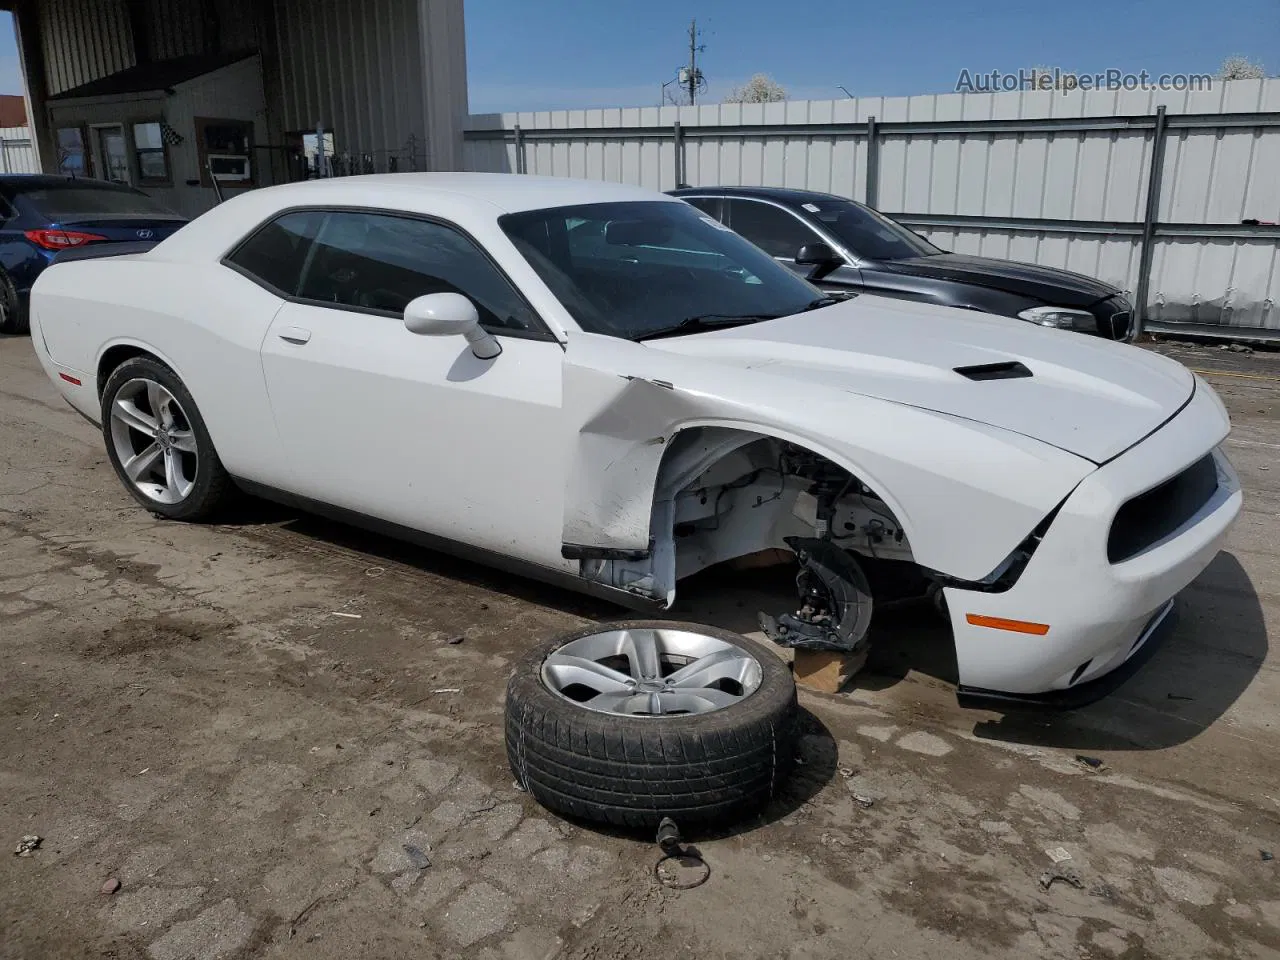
[[1008, 370]]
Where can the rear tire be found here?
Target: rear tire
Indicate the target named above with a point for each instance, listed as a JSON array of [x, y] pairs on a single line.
[[158, 443], [632, 771], [13, 316]]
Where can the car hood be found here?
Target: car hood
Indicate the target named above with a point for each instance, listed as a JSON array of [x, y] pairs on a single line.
[[1059, 288], [1090, 397]]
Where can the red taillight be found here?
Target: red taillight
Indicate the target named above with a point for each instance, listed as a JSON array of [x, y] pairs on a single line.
[[61, 239]]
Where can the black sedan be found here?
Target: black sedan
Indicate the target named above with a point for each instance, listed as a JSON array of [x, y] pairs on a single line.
[[846, 246]]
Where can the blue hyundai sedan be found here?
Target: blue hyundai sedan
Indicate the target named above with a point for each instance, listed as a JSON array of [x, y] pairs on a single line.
[[45, 215]]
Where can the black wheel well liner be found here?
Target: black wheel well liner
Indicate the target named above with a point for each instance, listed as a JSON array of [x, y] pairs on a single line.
[[113, 357]]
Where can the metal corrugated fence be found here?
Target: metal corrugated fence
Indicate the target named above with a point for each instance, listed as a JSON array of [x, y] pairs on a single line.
[[1055, 178], [17, 152]]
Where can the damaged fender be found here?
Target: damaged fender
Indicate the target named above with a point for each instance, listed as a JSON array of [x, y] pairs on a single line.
[[933, 470]]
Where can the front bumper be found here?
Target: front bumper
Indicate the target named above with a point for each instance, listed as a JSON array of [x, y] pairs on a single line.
[[1099, 614]]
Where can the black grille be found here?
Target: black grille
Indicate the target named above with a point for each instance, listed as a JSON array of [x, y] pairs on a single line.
[[1150, 517]]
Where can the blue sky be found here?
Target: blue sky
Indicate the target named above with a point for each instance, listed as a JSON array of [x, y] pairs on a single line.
[[10, 68], [587, 53], [580, 53]]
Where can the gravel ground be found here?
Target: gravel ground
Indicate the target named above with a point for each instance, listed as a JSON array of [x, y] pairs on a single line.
[[183, 711]]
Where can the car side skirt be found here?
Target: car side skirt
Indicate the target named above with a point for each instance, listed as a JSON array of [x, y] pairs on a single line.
[[455, 548]]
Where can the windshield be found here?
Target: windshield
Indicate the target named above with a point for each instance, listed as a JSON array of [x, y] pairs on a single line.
[[59, 203], [869, 235], [648, 268]]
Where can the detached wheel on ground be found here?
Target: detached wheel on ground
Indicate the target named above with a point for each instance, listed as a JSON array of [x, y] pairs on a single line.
[[627, 723], [158, 443]]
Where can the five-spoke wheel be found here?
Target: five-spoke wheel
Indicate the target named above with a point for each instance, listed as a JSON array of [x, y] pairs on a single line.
[[635, 721], [158, 442]]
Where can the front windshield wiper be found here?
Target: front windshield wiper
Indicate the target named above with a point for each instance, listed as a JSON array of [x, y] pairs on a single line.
[[821, 302], [716, 321], [706, 321]]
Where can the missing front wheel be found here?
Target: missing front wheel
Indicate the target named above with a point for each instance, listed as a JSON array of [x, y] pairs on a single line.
[[835, 601]]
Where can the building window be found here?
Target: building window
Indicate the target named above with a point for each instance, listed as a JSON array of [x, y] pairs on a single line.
[[72, 155], [152, 153], [226, 151]]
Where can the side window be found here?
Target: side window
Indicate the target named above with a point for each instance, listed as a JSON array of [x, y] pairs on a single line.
[[775, 231], [276, 254], [381, 262], [708, 205]]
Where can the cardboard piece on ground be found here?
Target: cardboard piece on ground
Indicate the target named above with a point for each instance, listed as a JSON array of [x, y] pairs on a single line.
[[827, 671], [772, 557]]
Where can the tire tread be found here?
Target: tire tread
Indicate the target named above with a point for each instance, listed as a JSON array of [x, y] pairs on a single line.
[[633, 771]]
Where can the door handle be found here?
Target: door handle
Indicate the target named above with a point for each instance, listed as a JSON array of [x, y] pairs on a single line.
[[294, 335]]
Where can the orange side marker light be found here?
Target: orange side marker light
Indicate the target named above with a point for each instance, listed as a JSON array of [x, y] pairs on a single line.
[[1014, 626]]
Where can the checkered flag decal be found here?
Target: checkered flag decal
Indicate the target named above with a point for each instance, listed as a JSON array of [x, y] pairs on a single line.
[[170, 136]]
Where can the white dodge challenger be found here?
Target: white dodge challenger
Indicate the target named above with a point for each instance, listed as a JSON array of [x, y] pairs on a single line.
[[601, 386]]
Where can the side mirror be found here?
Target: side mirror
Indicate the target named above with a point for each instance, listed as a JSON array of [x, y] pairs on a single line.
[[821, 257], [447, 315]]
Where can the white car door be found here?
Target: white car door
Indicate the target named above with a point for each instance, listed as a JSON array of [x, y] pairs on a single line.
[[411, 429]]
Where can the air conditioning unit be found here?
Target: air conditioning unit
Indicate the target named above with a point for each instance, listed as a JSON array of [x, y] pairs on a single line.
[[230, 167]]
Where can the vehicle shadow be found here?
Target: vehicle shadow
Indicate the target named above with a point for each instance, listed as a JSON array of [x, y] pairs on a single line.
[[1216, 648], [1218, 645], [251, 514]]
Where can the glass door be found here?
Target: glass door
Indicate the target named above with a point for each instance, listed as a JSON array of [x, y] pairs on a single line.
[[111, 154]]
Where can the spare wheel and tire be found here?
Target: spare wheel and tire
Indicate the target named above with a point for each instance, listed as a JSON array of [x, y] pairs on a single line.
[[630, 722]]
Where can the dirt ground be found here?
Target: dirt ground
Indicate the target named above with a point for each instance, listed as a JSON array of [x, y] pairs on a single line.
[[184, 710]]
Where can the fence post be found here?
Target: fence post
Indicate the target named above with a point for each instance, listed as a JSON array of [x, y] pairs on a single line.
[[870, 195], [1149, 219], [520, 164], [678, 138], [4, 155]]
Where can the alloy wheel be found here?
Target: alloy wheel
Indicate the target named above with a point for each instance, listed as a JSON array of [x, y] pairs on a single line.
[[651, 672], [154, 442]]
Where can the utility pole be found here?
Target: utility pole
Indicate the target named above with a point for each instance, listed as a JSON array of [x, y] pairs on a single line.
[[691, 77]]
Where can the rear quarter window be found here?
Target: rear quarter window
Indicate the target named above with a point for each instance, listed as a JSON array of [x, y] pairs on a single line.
[[276, 253]]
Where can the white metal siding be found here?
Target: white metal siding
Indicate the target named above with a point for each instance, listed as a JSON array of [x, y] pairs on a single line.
[[356, 68], [1209, 176], [84, 40], [177, 29], [17, 152]]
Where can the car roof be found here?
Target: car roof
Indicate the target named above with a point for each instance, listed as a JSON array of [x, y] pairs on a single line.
[[22, 182], [507, 191], [786, 195]]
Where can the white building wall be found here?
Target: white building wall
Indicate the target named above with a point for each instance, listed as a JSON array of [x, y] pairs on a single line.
[[84, 40], [387, 76], [1210, 176], [17, 152], [232, 93]]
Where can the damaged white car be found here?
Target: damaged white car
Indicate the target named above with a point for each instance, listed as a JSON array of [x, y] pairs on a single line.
[[599, 385]]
